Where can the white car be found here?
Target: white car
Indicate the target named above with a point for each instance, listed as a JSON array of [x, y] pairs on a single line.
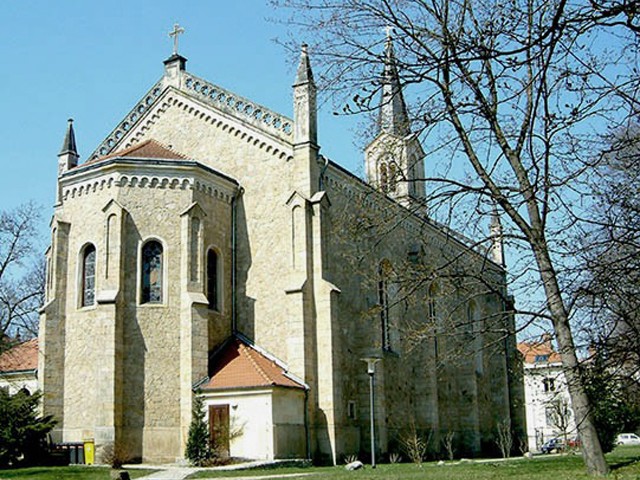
[[628, 439]]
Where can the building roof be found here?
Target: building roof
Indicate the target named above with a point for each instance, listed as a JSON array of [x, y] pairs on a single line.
[[240, 365], [540, 352], [20, 358], [149, 149]]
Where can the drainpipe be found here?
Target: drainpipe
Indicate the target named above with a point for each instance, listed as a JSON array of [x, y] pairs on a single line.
[[234, 224]]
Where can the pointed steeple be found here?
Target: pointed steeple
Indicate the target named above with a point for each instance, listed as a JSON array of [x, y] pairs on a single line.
[[68, 156], [393, 116], [304, 106], [305, 128], [69, 143], [304, 73]]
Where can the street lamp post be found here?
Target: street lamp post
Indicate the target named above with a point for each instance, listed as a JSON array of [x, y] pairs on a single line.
[[371, 370]]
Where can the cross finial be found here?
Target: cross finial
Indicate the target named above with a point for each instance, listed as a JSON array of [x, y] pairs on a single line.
[[177, 30]]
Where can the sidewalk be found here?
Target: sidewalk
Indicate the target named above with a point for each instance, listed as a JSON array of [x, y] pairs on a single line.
[[176, 472]]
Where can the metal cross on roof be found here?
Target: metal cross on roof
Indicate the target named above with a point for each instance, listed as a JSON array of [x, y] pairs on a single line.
[[177, 30]]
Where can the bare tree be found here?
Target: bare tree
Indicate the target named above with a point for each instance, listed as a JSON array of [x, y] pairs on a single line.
[[507, 94], [22, 271], [610, 292], [561, 417]]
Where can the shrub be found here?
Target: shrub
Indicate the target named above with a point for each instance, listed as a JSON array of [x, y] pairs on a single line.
[[198, 450], [23, 431]]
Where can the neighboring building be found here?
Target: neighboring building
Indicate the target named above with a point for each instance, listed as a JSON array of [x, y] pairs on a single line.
[[206, 247], [547, 398], [19, 367]]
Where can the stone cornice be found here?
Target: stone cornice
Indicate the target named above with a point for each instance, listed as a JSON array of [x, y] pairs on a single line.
[[167, 174], [238, 107], [223, 109]]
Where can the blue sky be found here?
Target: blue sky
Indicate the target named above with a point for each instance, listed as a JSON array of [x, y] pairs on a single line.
[[92, 60]]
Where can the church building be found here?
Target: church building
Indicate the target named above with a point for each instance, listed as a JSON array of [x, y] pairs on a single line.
[[207, 247]]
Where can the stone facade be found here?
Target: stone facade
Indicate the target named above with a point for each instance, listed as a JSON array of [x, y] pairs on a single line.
[[313, 265]]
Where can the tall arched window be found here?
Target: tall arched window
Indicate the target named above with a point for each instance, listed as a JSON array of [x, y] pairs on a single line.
[[384, 179], [88, 275], [383, 300], [433, 316], [212, 280], [476, 326], [393, 177], [152, 272]]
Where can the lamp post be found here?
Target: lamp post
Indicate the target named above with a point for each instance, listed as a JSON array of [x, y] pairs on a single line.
[[371, 370]]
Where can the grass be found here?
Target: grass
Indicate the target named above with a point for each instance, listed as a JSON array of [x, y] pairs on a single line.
[[624, 462], [66, 473]]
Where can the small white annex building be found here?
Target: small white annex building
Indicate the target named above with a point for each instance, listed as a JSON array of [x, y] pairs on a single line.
[[19, 367], [548, 405]]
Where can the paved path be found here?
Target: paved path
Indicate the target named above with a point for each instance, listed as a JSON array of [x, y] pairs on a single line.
[[176, 473], [170, 474]]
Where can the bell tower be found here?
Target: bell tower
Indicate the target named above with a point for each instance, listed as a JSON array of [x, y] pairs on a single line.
[[394, 159]]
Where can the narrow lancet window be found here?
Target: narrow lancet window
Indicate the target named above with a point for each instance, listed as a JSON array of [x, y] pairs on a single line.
[[383, 300], [384, 179], [152, 272], [88, 276], [212, 280]]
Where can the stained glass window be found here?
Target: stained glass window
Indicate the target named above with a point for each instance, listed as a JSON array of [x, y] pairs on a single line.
[[89, 276], [152, 272]]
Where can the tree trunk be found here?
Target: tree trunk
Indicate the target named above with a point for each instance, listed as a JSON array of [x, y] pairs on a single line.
[[591, 448]]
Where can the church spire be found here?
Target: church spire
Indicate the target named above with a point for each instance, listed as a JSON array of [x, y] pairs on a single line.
[[393, 116], [69, 143]]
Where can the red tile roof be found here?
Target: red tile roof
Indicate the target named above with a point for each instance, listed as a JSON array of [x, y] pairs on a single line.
[[148, 149], [240, 365], [539, 352], [23, 356]]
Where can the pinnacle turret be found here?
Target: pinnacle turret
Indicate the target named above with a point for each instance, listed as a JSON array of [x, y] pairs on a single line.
[[69, 143], [393, 116], [304, 73]]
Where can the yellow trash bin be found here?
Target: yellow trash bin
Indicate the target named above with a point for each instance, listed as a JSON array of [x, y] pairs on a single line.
[[89, 451]]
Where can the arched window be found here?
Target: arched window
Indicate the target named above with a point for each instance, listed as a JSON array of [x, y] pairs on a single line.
[[152, 272], [212, 280], [476, 326], [433, 316], [383, 300], [88, 275], [384, 180], [393, 177]]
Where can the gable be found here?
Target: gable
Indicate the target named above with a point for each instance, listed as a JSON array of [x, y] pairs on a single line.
[[237, 364], [210, 103]]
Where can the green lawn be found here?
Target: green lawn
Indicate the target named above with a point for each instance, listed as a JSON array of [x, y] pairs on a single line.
[[64, 473], [624, 461]]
